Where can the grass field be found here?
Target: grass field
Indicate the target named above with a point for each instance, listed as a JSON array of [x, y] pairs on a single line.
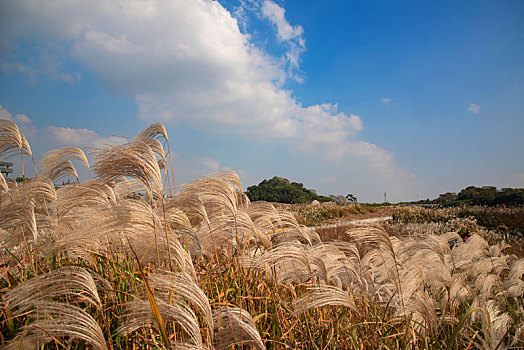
[[117, 263]]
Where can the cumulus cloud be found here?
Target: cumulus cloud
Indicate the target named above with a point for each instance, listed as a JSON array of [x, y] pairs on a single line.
[[80, 137], [24, 123], [385, 100], [188, 61], [474, 108]]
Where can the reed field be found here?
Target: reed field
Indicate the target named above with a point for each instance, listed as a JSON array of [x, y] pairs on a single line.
[[121, 261]]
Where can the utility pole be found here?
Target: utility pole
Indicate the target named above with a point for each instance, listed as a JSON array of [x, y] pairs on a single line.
[[385, 198]]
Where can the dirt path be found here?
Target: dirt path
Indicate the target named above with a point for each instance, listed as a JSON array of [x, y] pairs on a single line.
[[354, 222]]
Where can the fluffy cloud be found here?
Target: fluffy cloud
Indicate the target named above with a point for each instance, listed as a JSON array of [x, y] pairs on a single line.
[[276, 15], [292, 36], [24, 123], [474, 108], [188, 61], [210, 163], [80, 137], [385, 100]]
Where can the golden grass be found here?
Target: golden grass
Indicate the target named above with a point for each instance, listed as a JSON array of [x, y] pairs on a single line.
[[113, 263]]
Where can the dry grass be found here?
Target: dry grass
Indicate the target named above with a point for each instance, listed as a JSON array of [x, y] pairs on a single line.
[[112, 263]]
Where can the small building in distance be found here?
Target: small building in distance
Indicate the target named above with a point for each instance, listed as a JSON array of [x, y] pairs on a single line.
[[6, 168]]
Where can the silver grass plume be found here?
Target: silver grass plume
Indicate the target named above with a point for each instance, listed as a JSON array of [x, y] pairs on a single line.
[[12, 141], [235, 326], [176, 287], [138, 315], [89, 194], [514, 283], [53, 318], [157, 132], [3, 185], [287, 262], [57, 163], [58, 320], [321, 296], [73, 282], [25, 211], [495, 325], [422, 308], [136, 160]]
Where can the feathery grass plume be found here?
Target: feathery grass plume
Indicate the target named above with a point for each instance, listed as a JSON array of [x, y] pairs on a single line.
[[41, 191], [514, 288], [89, 194], [136, 160], [320, 296], [175, 287], [54, 321], [220, 192], [263, 214], [237, 232], [422, 309], [495, 325], [235, 326], [498, 265], [475, 248], [125, 188], [3, 184], [459, 290], [383, 258], [19, 215], [12, 141], [286, 262], [279, 225], [423, 245], [57, 163], [158, 131], [61, 170], [212, 239], [71, 282], [138, 315], [487, 285], [516, 271], [153, 131], [130, 220], [339, 269], [362, 274]]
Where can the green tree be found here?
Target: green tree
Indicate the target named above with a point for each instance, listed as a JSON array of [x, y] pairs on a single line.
[[279, 189]]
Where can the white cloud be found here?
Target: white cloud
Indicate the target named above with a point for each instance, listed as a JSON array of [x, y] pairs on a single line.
[[474, 108], [210, 163], [12, 68], [79, 137], [188, 61], [24, 123], [386, 100], [292, 36], [276, 15]]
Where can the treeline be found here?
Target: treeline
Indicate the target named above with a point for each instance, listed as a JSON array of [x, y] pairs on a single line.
[[281, 190], [485, 195]]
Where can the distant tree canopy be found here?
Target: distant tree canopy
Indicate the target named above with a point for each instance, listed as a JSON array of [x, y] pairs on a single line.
[[279, 189], [485, 195]]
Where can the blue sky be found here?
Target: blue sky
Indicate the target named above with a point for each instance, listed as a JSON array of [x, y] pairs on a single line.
[[412, 98]]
